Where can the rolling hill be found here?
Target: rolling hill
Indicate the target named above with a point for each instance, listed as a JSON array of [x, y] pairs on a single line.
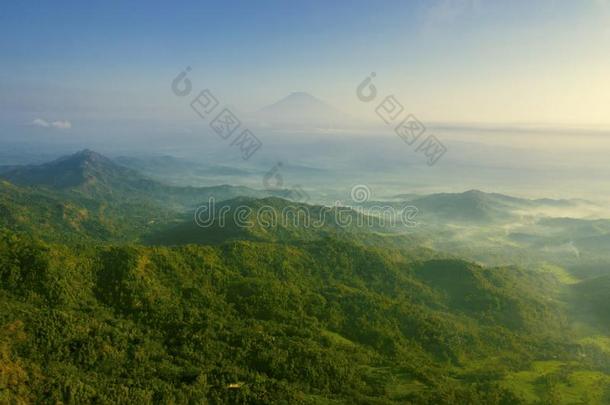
[[270, 219], [251, 322], [86, 196], [477, 207], [92, 175], [113, 293]]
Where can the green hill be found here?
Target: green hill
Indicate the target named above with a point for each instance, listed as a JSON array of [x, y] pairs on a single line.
[[91, 175], [270, 219], [255, 322], [86, 196], [112, 291], [70, 217], [478, 208]]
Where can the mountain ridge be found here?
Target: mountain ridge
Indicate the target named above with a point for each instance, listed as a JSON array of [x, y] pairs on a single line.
[[93, 175]]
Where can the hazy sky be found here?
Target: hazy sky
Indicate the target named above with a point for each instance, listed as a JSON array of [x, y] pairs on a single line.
[[77, 64]]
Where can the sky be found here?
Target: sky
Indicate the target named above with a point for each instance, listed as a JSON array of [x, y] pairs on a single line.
[[103, 66]]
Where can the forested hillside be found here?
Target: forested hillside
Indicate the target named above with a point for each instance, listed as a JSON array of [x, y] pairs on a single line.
[[321, 322], [107, 296]]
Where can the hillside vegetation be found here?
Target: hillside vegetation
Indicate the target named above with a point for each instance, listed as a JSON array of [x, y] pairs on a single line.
[[108, 297]]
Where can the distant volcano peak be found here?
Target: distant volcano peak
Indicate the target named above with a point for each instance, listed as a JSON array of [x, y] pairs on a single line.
[[297, 97], [300, 109], [302, 95]]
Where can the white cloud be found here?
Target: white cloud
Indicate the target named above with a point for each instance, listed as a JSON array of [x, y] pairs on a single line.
[[60, 124], [39, 122]]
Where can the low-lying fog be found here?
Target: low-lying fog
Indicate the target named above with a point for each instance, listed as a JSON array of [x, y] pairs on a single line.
[[528, 163]]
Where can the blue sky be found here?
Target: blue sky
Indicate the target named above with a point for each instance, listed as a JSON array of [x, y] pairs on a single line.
[[98, 63]]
